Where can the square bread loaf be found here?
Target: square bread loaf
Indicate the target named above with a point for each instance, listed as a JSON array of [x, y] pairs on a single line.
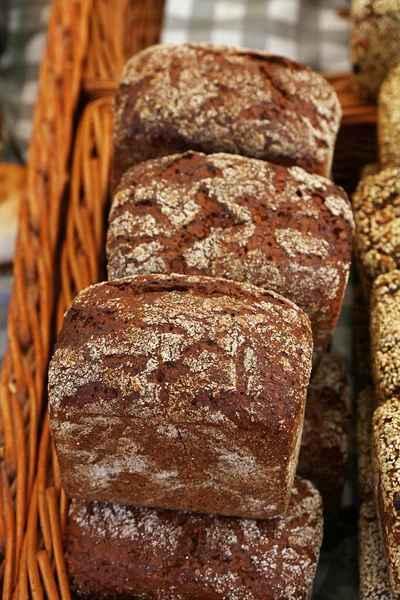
[[385, 335], [376, 205], [118, 552], [386, 466], [182, 393], [375, 42], [222, 99], [326, 433], [238, 218]]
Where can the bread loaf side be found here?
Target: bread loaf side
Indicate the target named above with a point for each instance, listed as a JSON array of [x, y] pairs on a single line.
[[182, 393]]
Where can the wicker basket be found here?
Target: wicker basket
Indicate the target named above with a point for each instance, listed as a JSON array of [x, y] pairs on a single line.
[[60, 251]]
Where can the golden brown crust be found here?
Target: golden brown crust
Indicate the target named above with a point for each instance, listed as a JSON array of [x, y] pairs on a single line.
[[238, 218], [181, 392], [124, 552], [385, 335], [374, 576], [375, 42], [376, 205], [389, 119], [177, 98], [386, 466]]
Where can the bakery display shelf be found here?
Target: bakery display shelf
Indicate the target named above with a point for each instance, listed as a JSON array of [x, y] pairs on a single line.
[[60, 250]]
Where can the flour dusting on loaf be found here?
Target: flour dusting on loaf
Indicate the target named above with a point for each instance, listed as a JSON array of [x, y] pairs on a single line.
[[180, 556], [238, 218], [181, 392], [177, 98]]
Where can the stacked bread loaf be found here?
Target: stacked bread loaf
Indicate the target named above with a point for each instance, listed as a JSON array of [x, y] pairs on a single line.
[[376, 205], [178, 388]]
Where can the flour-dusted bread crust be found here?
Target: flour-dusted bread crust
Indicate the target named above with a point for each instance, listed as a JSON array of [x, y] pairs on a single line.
[[182, 393], [223, 99], [385, 335], [374, 576], [326, 432], [376, 204], [238, 218], [388, 128], [124, 552], [386, 466]]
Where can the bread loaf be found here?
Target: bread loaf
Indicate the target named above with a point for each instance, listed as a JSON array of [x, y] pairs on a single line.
[[385, 335], [326, 433], [222, 99], [238, 218], [386, 465], [117, 552], [389, 119], [361, 341], [365, 409], [182, 393], [376, 205], [374, 576], [375, 42]]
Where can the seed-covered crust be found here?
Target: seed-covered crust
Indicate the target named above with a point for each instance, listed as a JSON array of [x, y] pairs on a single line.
[[376, 205], [386, 465], [326, 432], [181, 392], [389, 119], [119, 552], [239, 218], [385, 335], [374, 576], [365, 410], [375, 42], [223, 99]]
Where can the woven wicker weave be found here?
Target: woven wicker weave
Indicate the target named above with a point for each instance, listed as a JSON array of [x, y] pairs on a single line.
[[60, 251], [24, 370]]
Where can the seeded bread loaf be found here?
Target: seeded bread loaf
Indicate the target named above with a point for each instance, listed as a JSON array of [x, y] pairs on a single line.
[[123, 552], [326, 433], [223, 99], [374, 576], [389, 119], [182, 393], [365, 408], [238, 218], [375, 42], [376, 205], [386, 466], [385, 335]]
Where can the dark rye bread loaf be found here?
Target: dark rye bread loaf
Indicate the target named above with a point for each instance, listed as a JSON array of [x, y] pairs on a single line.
[[181, 393], [223, 99], [386, 467], [238, 218], [326, 432], [119, 552]]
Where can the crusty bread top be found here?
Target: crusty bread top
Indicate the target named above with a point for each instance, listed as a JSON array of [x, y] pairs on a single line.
[[207, 334], [244, 219], [222, 99]]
